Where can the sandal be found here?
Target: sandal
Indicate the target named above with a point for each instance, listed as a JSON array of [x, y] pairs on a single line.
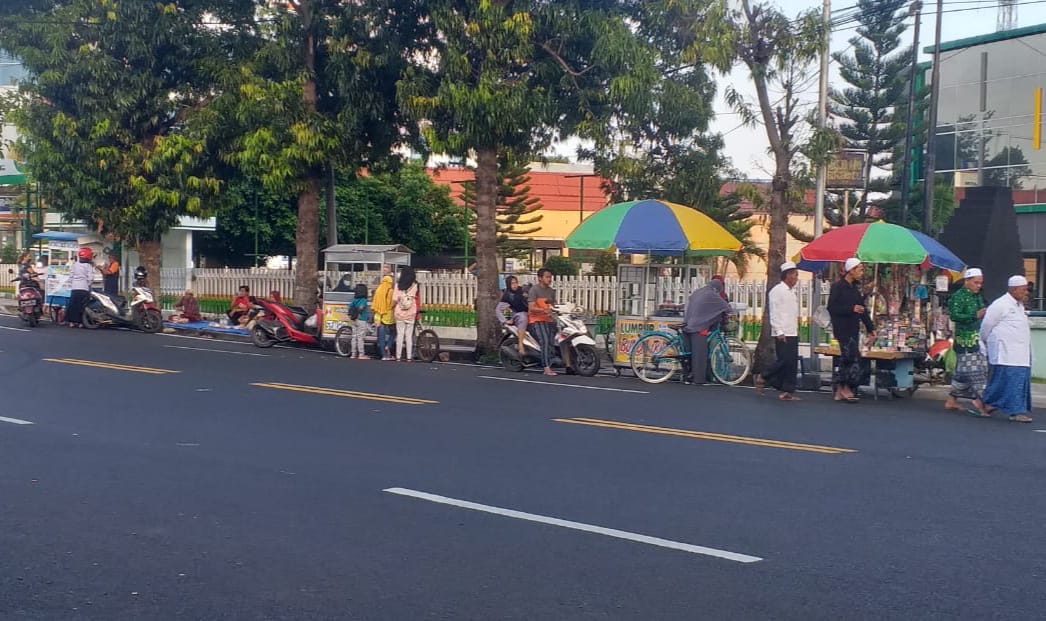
[[789, 397], [977, 413], [760, 384], [1020, 418]]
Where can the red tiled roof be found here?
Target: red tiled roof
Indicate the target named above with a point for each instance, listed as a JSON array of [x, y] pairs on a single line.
[[557, 191]]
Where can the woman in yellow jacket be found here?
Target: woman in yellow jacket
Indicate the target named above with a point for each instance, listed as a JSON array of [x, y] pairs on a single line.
[[384, 320]]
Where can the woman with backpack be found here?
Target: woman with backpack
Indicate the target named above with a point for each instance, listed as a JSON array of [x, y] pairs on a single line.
[[358, 314], [384, 320], [407, 303]]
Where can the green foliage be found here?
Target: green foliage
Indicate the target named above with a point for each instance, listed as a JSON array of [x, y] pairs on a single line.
[[232, 244], [103, 110], [605, 264], [561, 266], [875, 70], [402, 207], [8, 253], [517, 209]]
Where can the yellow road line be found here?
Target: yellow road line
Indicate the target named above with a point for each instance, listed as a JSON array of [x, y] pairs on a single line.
[[351, 394], [702, 435], [111, 366]]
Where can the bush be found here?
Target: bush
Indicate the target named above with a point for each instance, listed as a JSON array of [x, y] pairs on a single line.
[[9, 254], [605, 265], [561, 266]]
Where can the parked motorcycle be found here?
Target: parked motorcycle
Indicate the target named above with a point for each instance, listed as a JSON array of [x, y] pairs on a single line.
[[141, 313], [571, 332], [30, 300], [275, 322]]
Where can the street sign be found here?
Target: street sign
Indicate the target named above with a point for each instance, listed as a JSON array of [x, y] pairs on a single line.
[[845, 171]]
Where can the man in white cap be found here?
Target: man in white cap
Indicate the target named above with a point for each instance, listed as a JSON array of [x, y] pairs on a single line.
[[966, 308], [1006, 334], [846, 306], [784, 327]]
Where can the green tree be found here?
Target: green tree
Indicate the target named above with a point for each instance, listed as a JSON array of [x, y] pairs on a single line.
[[561, 266], [511, 75], [248, 214], [777, 52], [103, 111], [605, 264], [403, 207], [516, 207], [874, 68], [318, 93]]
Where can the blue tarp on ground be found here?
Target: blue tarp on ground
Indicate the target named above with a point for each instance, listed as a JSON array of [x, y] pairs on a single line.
[[205, 326]]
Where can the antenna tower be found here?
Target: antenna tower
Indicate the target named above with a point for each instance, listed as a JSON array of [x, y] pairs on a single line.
[[1007, 15]]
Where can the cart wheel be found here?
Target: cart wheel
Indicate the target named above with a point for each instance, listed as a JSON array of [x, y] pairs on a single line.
[[343, 341], [427, 345]]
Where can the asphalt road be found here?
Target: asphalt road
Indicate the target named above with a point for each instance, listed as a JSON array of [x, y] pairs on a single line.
[[166, 477]]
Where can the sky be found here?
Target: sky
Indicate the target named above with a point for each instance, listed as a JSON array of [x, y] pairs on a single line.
[[747, 147]]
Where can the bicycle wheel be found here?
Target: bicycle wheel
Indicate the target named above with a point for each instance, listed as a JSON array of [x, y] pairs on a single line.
[[343, 341], [427, 345], [731, 361], [655, 358]]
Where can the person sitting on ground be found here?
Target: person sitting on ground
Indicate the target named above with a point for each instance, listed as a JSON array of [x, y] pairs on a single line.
[[241, 307], [189, 309]]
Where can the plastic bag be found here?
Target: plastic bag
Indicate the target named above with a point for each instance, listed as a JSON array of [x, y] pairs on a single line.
[[950, 361], [822, 318]]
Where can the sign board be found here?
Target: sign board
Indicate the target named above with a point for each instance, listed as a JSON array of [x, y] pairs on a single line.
[[335, 315], [845, 171], [59, 281], [629, 331], [64, 245]]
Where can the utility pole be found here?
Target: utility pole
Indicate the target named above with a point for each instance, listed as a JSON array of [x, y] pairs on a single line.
[[822, 117], [906, 172], [332, 211], [931, 139]]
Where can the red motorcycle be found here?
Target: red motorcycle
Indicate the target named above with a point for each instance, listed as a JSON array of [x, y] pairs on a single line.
[[275, 322]]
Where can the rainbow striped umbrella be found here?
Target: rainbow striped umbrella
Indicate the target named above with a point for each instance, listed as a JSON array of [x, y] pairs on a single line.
[[653, 227], [877, 242]]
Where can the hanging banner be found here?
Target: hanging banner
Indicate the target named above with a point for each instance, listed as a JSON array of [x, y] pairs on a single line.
[[845, 171]]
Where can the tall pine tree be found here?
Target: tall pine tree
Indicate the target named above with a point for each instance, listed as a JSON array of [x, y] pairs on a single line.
[[517, 209], [875, 70]]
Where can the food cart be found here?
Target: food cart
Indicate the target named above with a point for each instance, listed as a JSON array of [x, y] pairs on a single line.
[[62, 247], [345, 266], [907, 270], [652, 295]]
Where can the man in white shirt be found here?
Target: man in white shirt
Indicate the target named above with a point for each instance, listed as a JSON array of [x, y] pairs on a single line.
[[784, 327], [1006, 335]]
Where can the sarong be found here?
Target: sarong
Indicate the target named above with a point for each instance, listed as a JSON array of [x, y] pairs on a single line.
[[1009, 389], [970, 377]]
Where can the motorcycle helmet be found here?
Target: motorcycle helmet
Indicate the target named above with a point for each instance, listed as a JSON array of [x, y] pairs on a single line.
[[140, 273], [85, 254]]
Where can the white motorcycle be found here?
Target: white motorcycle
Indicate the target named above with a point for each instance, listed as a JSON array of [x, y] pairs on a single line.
[[571, 332], [138, 313]]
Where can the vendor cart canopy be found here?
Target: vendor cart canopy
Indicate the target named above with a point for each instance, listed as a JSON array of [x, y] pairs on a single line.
[[10, 175], [653, 227], [361, 253]]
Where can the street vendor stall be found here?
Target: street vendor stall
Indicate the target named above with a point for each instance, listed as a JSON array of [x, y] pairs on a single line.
[[904, 265], [652, 296], [347, 265], [62, 247]]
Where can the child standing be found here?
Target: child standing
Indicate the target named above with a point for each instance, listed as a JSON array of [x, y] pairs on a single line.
[[358, 312]]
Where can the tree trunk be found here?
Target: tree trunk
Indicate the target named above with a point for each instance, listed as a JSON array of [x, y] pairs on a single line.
[[307, 238], [150, 253], [307, 242], [486, 250], [765, 352]]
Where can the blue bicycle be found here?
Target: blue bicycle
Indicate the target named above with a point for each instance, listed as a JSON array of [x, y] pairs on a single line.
[[658, 355]]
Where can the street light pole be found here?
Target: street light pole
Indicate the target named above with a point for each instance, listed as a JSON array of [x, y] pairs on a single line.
[[931, 140], [906, 170]]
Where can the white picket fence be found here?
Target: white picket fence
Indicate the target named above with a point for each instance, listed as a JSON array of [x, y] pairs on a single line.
[[597, 294]]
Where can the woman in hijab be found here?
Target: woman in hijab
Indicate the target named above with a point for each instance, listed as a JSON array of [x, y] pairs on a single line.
[[704, 310], [384, 319], [514, 299], [846, 306]]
